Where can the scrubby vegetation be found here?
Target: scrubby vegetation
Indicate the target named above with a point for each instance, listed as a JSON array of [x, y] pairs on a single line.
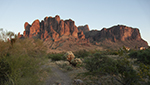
[[20, 64], [81, 53], [127, 68], [56, 57], [142, 56], [123, 70]]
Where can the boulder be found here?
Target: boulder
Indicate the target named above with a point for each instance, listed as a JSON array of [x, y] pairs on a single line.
[[78, 82]]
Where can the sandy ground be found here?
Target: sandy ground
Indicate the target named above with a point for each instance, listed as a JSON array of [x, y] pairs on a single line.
[[58, 77], [61, 76]]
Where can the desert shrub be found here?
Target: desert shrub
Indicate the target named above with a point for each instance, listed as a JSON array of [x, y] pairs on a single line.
[[144, 73], [20, 63], [128, 75], [4, 71], [103, 65], [56, 57], [120, 52], [114, 53], [133, 54], [81, 53], [142, 56], [98, 62], [111, 52], [64, 65], [69, 68], [107, 52]]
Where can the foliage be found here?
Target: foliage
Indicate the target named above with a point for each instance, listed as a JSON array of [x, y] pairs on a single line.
[[20, 63], [56, 57], [128, 74], [81, 53], [121, 68], [98, 62], [142, 56], [111, 52], [144, 72], [4, 71], [69, 68], [120, 52]]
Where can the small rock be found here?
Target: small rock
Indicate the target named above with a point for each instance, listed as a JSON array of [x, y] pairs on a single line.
[[78, 81]]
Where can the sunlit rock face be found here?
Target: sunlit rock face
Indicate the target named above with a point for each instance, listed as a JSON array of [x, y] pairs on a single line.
[[56, 29], [51, 27]]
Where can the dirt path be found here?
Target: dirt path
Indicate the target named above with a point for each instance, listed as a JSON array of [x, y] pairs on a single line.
[[58, 77]]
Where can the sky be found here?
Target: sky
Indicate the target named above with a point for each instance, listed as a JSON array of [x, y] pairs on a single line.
[[96, 13]]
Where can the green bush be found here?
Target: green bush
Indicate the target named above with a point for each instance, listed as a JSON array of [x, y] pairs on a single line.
[[5, 70], [133, 54], [142, 56], [128, 75], [81, 54], [121, 68], [144, 73], [98, 62], [111, 52], [19, 64], [56, 57]]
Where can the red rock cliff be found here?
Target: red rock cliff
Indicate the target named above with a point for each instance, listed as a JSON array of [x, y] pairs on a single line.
[[115, 34], [51, 28], [54, 28]]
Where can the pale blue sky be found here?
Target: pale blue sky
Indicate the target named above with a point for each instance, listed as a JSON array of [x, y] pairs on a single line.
[[96, 13]]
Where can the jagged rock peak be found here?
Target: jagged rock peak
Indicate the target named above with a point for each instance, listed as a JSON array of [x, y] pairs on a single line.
[[84, 28], [57, 18], [51, 27], [55, 29]]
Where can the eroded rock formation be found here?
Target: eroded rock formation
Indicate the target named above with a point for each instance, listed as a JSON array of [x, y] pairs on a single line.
[[84, 28], [51, 28], [115, 33], [54, 28]]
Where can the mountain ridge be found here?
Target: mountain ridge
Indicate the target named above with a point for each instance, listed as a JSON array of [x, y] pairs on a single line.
[[54, 28]]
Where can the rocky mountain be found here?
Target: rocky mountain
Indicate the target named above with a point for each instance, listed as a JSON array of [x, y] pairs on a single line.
[[55, 29], [115, 33], [52, 28]]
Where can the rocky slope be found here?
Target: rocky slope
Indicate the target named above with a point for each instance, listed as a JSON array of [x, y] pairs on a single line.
[[53, 29]]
